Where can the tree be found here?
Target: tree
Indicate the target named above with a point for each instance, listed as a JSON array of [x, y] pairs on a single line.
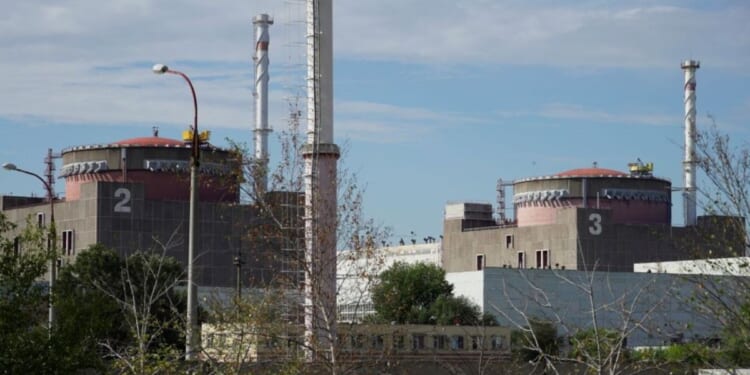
[[596, 314], [278, 234], [419, 294], [726, 167], [538, 334], [88, 316], [405, 292], [129, 307], [23, 301], [726, 300]]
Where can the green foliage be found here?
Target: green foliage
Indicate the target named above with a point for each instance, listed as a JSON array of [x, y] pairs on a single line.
[[405, 292], [537, 339], [451, 310], [23, 302], [596, 345], [736, 338], [87, 316], [128, 306], [419, 294], [687, 356]]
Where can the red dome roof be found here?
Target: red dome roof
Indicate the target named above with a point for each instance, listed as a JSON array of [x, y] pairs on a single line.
[[591, 172], [150, 141]]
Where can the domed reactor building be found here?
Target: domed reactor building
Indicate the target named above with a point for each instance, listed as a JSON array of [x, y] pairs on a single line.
[[578, 219], [133, 195]]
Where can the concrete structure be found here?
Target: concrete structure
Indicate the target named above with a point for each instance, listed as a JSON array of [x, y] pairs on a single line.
[[261, 22], [581, 219], [357, 270], [737, 266], [690, 192], [651, 308], [320, 155], [133, 195], [363, 343]]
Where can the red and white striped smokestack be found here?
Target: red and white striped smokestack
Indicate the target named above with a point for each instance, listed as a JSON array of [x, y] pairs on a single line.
[[321, 155], [689, 165], [261, 22]]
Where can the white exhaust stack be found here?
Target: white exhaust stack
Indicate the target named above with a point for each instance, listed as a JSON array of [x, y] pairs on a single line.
[[689, 165], [321, 155], [261, 22]]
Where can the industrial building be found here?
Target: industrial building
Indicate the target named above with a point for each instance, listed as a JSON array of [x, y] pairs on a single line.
[[132, 195], [580, 219], [650, 309], [591, 217]]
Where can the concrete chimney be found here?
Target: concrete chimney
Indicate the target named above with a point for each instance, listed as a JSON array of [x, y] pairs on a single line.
[[320, 155], [261, 22], [689, 165]]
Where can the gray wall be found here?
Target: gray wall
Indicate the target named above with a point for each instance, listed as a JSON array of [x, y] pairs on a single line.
[[654, 308], [104, 216], [583, 238]]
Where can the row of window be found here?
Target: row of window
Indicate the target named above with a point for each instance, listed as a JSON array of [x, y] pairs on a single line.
[[416, 341], [421, 341], [68, 236], [543, 260]]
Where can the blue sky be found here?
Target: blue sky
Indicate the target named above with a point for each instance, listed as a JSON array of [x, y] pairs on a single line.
[[435, 99]]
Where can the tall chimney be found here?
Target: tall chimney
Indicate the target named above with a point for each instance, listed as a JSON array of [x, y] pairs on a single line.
[[690, 194], [261, 22], [320, 155]]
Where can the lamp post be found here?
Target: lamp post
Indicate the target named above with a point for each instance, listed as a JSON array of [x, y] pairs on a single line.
[[52, 238], [192, 288]]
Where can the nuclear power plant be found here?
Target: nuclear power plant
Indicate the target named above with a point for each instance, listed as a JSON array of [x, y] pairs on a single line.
[[134, 194]]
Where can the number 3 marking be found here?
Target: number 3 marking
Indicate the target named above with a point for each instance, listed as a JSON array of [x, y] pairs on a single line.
[[596, 224], [122, 204]]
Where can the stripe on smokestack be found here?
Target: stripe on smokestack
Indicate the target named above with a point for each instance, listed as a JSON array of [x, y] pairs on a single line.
[[689, 165], [261, 22]]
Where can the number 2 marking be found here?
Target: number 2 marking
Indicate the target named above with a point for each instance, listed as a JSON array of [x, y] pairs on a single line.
[[122, 204]]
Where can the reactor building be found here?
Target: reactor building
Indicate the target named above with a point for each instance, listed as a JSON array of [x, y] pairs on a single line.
[[590, 218], [133, 194], [581, 219]]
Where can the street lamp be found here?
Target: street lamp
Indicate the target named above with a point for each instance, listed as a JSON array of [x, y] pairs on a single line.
[[52, 238], [192, 309]]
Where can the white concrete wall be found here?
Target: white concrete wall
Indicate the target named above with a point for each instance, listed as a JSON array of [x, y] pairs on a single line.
[[468, 284], [357, 271]]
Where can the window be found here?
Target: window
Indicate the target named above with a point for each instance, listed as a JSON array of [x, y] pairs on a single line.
[[220, 339], [417, 341], [508, 241], [358, 341], [398, 341], [542, 258], [377, 342], [68, 239], [476, 342], [40, 219], [457, 342], [438, 341], [497, 342], [480, 262], [521, 260], [16, 246]]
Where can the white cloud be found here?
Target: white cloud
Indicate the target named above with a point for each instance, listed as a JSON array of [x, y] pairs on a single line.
[[571, 112], [558, 34], [560, 111], [380, 122], [88, 61]]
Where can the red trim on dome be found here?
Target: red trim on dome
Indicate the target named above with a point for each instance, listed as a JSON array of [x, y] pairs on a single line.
[[150, 141], [590, 172]]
